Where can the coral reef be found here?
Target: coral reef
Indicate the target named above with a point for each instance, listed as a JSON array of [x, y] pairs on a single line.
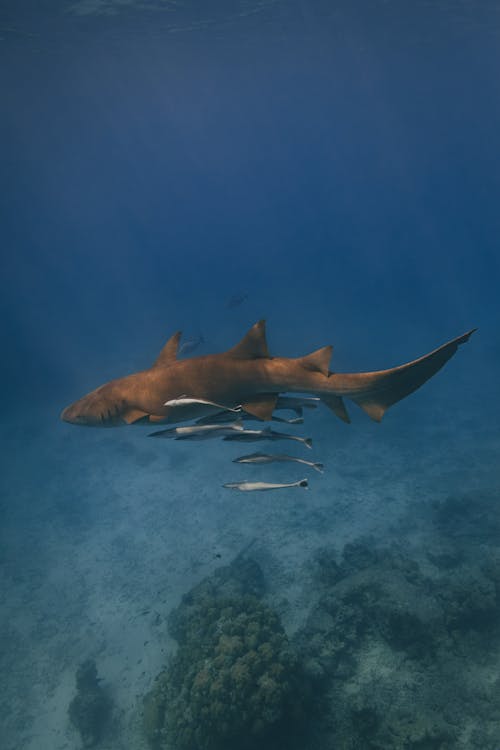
[[90, 709], [408, 660], [234, 679]]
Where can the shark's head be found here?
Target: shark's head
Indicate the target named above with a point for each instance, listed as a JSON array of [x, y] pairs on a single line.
[[97, 409]]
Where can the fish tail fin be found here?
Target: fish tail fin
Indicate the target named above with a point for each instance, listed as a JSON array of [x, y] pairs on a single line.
[[375, 392], [319, 467], [303, 483], [308, 442]]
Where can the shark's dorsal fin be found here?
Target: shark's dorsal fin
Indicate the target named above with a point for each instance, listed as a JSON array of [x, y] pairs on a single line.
[[168, 354], [318, 361], [253, 345], [261, 407]]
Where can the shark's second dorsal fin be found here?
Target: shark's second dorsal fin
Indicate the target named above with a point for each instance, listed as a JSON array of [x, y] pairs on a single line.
[[318, 361], [168, 354], [253, 345]]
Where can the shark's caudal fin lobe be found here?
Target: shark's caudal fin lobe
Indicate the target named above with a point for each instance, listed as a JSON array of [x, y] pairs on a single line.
[[374, 392], [168, 354], [318, 361], [336, 404], [253, 345], [261, 407]]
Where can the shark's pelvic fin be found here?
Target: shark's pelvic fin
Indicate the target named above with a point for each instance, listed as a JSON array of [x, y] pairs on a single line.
[[253, 345], [261, 407], [318, 361], [336, 404], [168, 354]]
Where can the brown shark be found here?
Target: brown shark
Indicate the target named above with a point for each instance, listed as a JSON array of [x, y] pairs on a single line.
[[248, 376]]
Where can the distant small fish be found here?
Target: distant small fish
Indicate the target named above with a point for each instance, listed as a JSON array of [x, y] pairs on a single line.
[[251, 486], [236, 300], [269, 458], [249, 436], [190, 345], [198, 432], [188, 401]]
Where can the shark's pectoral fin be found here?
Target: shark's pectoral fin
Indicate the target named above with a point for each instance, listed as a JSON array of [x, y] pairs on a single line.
[[134, 415], [261, 407], [336, 404]]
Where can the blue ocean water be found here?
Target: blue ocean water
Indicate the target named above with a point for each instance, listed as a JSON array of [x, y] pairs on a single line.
[[336, 167]]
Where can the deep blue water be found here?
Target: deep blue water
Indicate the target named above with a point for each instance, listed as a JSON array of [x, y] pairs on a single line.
[[336, 162]]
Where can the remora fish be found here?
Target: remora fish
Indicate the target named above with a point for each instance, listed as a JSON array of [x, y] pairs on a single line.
[[296, 404], [249, 436], [269, 458], [248, 375], [249, 486], [187, 401], [227, 416], [198, 432]]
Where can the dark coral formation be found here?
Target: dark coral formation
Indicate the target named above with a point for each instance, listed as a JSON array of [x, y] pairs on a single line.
[[234, 678], [407, 658], [90, 708]]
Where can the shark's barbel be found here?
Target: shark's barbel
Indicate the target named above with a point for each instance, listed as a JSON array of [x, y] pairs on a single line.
[[248, 376]]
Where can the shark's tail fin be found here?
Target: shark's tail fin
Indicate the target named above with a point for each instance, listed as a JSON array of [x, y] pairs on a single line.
[[374, 392]]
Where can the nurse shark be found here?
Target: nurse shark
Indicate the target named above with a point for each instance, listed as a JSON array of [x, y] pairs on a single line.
[[247, 376]]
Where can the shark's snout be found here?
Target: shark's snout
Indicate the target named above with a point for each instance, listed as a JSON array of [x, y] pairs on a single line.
[[73, 415], [92, 411]]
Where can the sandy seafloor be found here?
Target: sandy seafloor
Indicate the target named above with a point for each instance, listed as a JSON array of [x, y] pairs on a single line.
[[104, 530]]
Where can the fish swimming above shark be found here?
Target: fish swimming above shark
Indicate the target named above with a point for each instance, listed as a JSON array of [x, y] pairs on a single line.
[[247, 376]]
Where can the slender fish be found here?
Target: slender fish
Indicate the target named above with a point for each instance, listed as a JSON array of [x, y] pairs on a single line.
[[297, 403], [198, 432], [249, 436], [188, 401], [250, 486], [227, 416], [269, 458]]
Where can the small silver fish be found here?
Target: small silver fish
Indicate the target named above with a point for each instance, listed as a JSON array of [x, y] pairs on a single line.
[[251, 486], [190, 345], [188, 401], [294, 420], [269, 458], [249, 436], [227, 416], [198, 432]]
